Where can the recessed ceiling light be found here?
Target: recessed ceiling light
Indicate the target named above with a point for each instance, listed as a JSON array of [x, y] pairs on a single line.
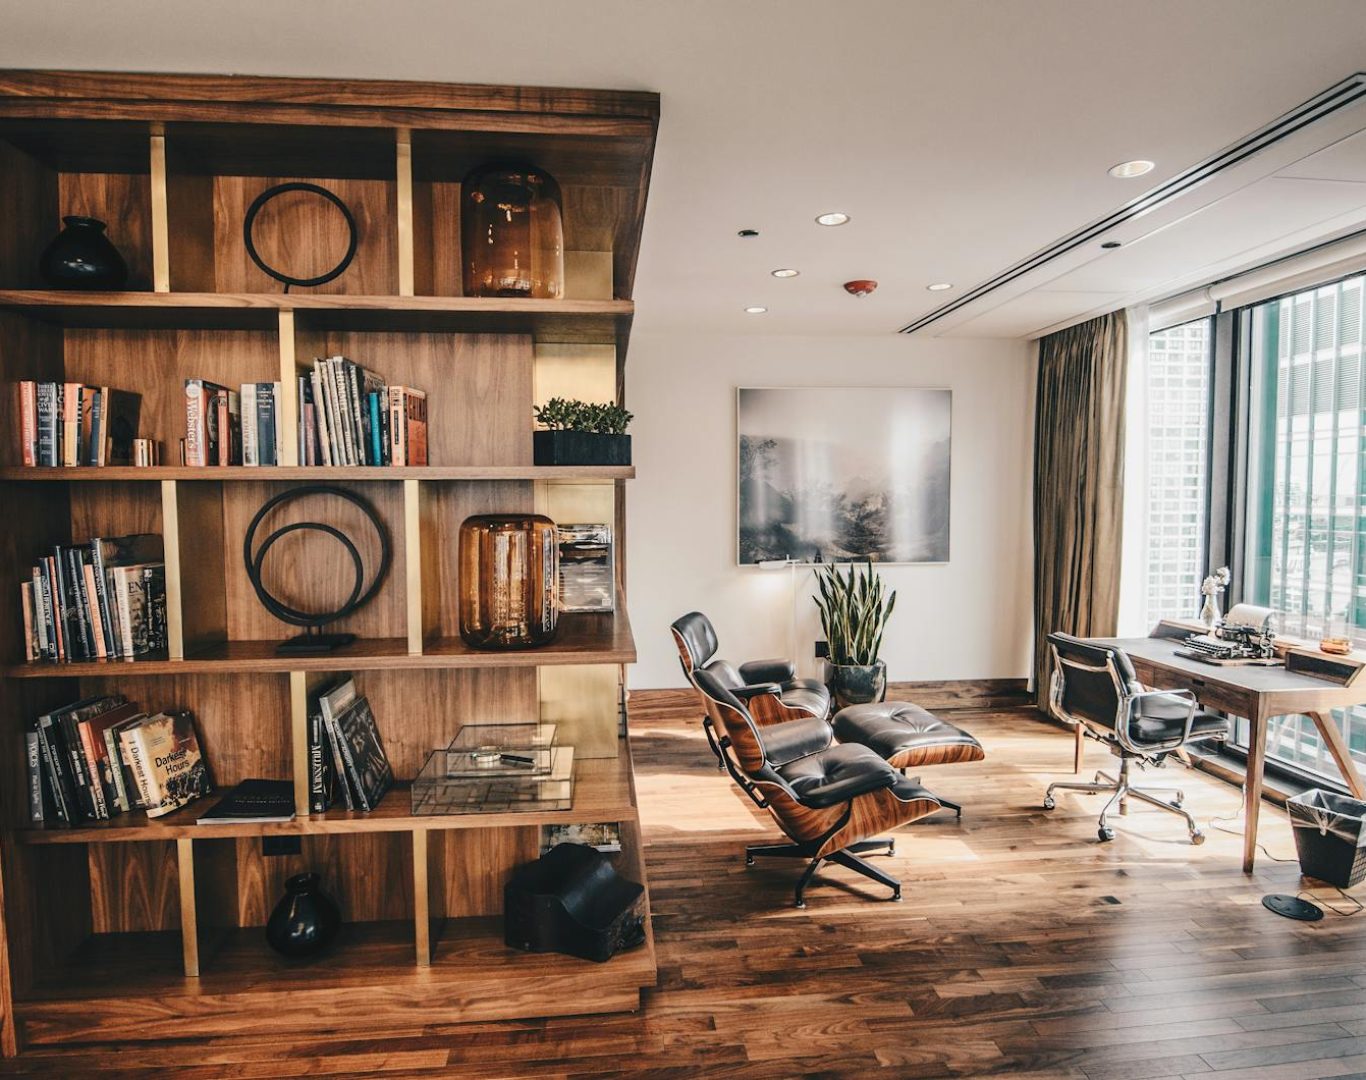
[[940, 286], [1127, 170], [755, 310], [786, 273], [835, 218]]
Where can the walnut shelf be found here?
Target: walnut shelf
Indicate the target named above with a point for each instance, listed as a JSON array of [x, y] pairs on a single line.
[[171, 162]]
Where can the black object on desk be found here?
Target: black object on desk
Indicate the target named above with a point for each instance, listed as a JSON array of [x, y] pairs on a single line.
[[572, 900]]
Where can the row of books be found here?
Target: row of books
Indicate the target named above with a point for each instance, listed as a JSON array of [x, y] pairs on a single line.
[[70, 424], [346, 759], [233, 427], [348, 416], [97, 600], [103, 756]]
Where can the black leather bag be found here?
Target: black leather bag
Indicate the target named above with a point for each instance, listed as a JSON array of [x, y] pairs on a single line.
[[572, 900]]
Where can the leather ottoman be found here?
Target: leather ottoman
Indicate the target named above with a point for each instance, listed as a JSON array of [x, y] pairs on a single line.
[[905, 735]]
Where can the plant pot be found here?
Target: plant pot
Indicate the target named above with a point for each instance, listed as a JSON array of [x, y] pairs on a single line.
[[858, 684], [580, 448], [305, 921], [82, 257]]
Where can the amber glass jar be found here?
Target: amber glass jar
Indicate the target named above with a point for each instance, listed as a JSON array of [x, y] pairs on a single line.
[[509, 581], [512, 232]]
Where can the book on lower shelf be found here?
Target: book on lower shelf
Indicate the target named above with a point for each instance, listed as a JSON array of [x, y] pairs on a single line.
[[348, 415], [253, 801], [70, 424], [103, 756], [102, 599], [348, 758]]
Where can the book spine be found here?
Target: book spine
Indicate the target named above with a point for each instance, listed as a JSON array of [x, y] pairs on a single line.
[[196, 433], [135, 753], [91, 761], [33, 756], [125, 605], [352, 773], [62, 595], [114, 755], [265, 424], [224, 455], [30, 634], [154, 597], [85, 797], [339, 763], [92, 446], [47, 423], [52, 603], [373, 427], [320, 415], [396, 456], [251, 428], [317, 785], [301, 397], [56, 775], [74, 572], [71, 424], [97, 639], [40, 616], [28, 421], [111, 641]]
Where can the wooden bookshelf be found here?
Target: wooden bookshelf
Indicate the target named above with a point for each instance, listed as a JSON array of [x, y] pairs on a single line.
[[171, 162]]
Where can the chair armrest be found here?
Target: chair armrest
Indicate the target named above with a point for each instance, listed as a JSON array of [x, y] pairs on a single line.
[[762, 671], [1135, 700], [843, 790], [744, 693]]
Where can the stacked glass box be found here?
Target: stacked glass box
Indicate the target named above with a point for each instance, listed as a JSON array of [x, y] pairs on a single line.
[[497, 768]]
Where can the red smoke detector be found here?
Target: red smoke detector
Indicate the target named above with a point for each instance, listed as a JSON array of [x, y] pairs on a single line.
[[861, 287]]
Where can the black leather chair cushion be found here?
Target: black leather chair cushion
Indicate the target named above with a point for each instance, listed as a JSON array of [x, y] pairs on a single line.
[[1163, 719], [793, 739], [779, 671], [698, 635], [814, 700], [905, 735], [837, 774]]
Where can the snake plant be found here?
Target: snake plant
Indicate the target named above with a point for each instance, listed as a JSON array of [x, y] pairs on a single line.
[[854, 609]]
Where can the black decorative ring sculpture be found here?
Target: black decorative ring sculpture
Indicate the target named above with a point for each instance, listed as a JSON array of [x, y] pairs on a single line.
[[313, 640], [289, 279]]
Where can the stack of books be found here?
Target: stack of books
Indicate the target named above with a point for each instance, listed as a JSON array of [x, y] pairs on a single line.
[[102, 756], [497, 768], [98, 600], [348, 416], [346, 758], [233, 427], [72, 424]]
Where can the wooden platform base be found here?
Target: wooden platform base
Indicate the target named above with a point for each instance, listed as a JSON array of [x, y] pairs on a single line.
[[129, 986]]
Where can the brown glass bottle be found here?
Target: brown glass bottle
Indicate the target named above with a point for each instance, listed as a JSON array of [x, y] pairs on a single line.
[[509, 581], [512, 232]]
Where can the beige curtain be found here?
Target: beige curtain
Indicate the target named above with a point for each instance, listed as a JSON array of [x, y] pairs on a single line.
[[1078, 483]]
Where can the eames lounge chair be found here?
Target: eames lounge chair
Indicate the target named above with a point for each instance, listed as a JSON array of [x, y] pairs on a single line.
[[831, 802]]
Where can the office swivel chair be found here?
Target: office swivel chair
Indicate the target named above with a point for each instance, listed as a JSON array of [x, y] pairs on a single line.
[[830, 802], [1094, 686], [696, 640]]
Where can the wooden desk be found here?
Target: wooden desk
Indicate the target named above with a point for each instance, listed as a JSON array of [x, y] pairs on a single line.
[[1257, 694]]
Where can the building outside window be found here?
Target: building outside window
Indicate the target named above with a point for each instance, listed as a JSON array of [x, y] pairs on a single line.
[[1306, 535]]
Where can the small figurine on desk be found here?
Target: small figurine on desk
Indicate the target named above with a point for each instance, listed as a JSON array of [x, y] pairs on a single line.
[[1210, 588]]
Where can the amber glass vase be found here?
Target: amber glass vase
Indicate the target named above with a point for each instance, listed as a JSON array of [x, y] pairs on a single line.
[[509, 581], [512, 232]]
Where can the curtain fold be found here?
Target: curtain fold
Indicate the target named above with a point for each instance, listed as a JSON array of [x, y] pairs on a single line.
[[1079, 433]]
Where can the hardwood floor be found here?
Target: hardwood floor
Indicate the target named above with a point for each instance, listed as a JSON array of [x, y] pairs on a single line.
[[1023, 948]]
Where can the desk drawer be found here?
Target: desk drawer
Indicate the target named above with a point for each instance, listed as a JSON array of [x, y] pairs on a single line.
[[1210, 693]]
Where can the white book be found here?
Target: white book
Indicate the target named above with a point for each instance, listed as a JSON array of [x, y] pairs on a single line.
[[251, 451], [320, 416], [277, 393]]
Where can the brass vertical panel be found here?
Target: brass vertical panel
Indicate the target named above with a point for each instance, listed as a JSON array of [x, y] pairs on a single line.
[[161, 221], [189, 923], [581, 700], [298, 739], [406, 251], [412, 562], [289, 391], [422, 916], [170, 539]]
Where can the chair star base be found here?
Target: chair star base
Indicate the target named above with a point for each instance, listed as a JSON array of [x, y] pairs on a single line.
[[1121, 790], [847, 857]]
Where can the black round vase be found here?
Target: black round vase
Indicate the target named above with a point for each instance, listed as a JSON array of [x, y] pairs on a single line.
[[82, 257], [305, 921]]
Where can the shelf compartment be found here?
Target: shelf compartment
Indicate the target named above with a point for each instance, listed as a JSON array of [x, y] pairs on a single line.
[[553, 321], [603, 791], [560, 474], [368, 979]]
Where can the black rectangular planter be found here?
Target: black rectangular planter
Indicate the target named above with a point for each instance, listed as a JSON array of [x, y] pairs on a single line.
[[580, 448]]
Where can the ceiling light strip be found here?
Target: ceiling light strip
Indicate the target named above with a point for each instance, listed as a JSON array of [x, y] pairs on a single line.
[[1336, 97]]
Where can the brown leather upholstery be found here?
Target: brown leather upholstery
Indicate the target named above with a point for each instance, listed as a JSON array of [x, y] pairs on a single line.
[[905, 735]]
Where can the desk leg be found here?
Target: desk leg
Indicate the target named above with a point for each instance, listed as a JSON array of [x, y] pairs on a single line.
[[1256, 761], [1332, 738], [1080, 752]]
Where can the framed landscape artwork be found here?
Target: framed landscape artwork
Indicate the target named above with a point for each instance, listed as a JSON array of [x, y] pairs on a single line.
[[846, 472]]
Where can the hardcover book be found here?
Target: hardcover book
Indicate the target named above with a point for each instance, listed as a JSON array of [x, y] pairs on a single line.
[[367, 765], [253, 801], [166, 762]]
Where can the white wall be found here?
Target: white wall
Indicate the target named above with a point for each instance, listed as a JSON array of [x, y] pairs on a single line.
[[967, 619]]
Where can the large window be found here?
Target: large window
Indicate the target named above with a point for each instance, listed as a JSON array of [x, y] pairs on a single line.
[[1177, 439], [1306, 490]]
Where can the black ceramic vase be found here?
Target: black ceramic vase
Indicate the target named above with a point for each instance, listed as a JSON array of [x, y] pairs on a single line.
[[305, 921], [858, 684], [82, 257]]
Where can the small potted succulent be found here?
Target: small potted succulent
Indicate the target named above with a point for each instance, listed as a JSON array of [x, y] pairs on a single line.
[[581, 433], [854, 609]]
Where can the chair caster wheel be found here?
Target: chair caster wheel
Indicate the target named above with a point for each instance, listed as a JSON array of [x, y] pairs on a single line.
[[800, 904], [891, 848], [1049, 802], [749, 860], [1197, 838], [896, 897], [1106, 834]]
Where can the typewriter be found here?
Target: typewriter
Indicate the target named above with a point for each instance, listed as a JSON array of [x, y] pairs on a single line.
[[1243, 636]]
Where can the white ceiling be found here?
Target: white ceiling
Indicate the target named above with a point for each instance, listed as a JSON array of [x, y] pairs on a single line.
[[961, 135]]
